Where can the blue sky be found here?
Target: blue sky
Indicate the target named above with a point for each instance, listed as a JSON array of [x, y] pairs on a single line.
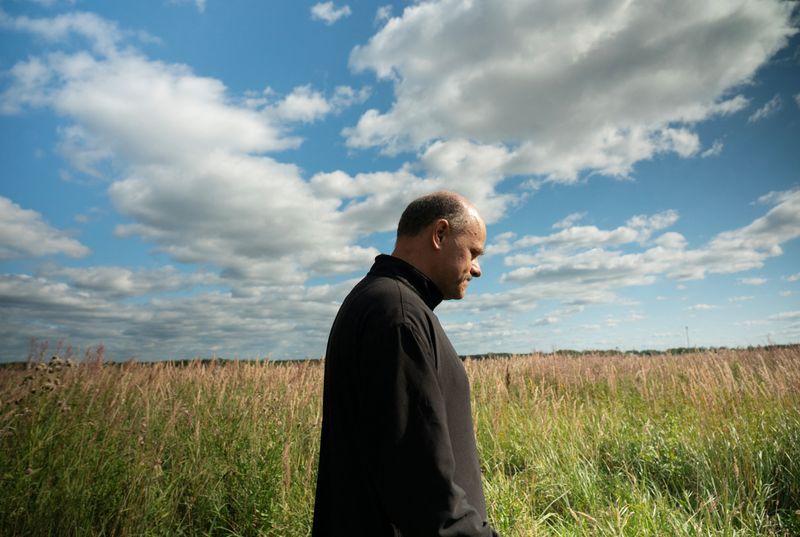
[[207, 178]]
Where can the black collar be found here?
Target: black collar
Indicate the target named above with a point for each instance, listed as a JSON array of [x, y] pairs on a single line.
[[393, 267]]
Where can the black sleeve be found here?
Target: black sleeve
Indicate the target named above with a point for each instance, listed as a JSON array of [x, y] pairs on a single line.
[[404, 438]]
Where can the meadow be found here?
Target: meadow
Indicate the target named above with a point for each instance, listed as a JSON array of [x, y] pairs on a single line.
[[703, 443]]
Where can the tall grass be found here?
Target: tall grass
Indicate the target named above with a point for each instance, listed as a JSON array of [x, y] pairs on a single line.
[[697, 444]]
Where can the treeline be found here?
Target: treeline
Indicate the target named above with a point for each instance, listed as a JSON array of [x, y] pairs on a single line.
[[567, 353]]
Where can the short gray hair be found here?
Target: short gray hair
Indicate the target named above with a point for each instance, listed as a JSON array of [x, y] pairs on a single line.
[[426, 210]]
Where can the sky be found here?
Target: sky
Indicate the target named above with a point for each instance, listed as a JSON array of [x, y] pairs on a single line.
[[206, 178]]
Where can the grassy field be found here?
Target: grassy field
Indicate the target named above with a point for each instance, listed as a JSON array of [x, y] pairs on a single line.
[[697, 444]]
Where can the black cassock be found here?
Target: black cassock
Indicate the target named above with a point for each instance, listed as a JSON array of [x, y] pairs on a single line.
[[397, 453]]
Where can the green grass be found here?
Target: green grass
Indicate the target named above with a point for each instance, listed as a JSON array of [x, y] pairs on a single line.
[[697, 444]]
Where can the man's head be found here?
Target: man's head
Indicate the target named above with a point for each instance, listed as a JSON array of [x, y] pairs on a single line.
[[442, 235]]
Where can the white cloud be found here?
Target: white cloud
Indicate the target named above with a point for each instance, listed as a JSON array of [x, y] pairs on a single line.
[[714, 151], [797, 99], [23, 233], [187, 115], [752, 281], [307, 105], [637, 229], [193, 177], [584, 263], [281, 321], [730, 106], [591, 89], [345, 96], [769, 108], [31, 79], [191, 173], [740, 298], [793, 277], [752, 322], [303, 104], [328, 12], [103, 35], [785, 293], [383, 13], [786, 316], [115, 282], [546, 321], [569, 220], [702, 307]]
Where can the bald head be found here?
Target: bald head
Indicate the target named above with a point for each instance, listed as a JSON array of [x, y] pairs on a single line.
[[442, 235]]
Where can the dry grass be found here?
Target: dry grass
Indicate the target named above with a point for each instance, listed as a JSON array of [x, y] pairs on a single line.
[[703, 443]]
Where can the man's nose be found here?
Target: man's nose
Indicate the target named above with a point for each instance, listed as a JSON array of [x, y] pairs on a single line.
[[475, 270]]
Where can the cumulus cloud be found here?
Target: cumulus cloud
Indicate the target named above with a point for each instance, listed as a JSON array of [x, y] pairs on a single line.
[[328, 12], [305, 104], [569, 220], [24, 233], [637, 229], [117, 282], [547, 320], [262, 322], [584, 264], [702, 307], [786, 316], [565, 89], [714, 151], [373, 200], [193, 174], [769, 108], [752, 281], [103, 35], [197, 173], [383, 13]]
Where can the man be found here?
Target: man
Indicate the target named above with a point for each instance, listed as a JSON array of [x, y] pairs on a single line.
[[397, 453]]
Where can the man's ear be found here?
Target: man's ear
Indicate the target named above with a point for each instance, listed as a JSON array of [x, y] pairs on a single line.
[[439, 231]]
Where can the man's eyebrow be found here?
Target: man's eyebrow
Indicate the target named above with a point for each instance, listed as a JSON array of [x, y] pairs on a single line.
[[477, 251]]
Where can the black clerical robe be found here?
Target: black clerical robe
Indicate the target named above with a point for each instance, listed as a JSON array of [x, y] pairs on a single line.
[[397, 454]]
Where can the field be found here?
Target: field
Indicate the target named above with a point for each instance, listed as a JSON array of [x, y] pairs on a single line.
[[705, 443]]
